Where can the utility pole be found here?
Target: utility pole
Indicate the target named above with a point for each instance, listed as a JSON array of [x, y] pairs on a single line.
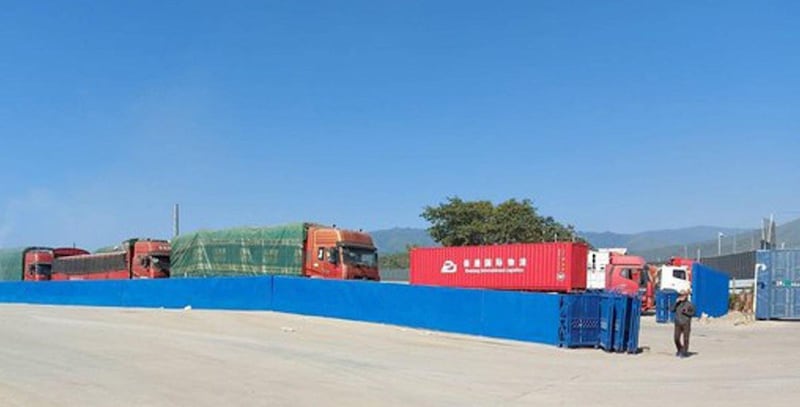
[[176, 225]]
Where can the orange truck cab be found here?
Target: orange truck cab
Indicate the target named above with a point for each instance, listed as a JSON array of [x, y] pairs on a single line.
[[134, 258], [341, 254], [624, 274]]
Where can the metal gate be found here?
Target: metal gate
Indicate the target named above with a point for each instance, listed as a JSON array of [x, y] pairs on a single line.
[[778, 284]]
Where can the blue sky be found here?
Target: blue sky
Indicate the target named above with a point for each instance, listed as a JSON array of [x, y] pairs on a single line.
[[627, 116]]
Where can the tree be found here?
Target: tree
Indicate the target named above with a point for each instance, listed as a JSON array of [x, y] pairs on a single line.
[[396, 260], [461, 223], [513, 221]]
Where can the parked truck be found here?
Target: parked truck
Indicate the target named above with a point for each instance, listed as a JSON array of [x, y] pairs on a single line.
[[597, 262], [557, 266], [631, 275], [624, 273], [301, 249], [32, 263], [132, 259]]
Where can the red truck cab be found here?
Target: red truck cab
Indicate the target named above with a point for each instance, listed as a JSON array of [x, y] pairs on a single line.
[[341, 254], [134, 258], [624, 274], [150, 259], [38, 261], [37, 264]]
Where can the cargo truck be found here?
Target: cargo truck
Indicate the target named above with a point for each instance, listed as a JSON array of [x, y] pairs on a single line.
[[37, 263], [301, 249], [597, 262], [134, 258], [630, 275], [32, 263], [555, 266], [624, 274]]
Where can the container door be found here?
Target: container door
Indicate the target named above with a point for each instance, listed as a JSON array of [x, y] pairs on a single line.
[[672, 298], [763, 284], [795, 301], [661, 310], [781, 294], [634, 320], [790, 264], [607, 321], [621, 304]]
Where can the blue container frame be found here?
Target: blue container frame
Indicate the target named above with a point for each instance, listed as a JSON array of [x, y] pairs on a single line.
[[580, 320], [664, 301], [610, 321]]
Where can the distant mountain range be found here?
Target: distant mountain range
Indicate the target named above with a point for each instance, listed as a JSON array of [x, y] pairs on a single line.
[[654, 239], [653, 245], [787, 235]]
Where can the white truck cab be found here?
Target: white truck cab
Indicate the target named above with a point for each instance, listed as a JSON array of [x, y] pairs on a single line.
[[674, 278], [596, 266]]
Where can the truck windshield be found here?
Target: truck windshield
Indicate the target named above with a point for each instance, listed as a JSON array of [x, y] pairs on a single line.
[[161, 262], [360, 256], [43, 269]]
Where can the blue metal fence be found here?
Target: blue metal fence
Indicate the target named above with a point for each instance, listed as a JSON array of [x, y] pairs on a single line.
[[523, 316], [710, 290], [571, 320], [244, 293]]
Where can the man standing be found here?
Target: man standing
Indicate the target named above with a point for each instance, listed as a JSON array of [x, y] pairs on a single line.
[[684, 311]]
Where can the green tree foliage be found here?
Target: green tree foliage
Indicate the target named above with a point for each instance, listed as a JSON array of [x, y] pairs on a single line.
[[396, 260], [459, 223], [393, 261], [462, 223]]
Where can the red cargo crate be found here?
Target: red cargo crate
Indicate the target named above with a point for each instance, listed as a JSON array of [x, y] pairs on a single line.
[[528, 266]]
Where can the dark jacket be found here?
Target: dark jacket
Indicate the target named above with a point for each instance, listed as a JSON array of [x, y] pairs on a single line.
[[684, 311]]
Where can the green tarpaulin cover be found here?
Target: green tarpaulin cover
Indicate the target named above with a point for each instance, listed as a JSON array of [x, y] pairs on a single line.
[[11, 264], [247, 251]]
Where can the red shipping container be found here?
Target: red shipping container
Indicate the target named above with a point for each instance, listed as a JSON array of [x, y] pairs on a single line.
[[527, 266]]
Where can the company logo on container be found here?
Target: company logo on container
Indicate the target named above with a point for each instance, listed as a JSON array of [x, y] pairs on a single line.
[[449, 267]]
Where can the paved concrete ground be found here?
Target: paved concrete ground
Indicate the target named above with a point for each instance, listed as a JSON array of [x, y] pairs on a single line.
[[71, 356]]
